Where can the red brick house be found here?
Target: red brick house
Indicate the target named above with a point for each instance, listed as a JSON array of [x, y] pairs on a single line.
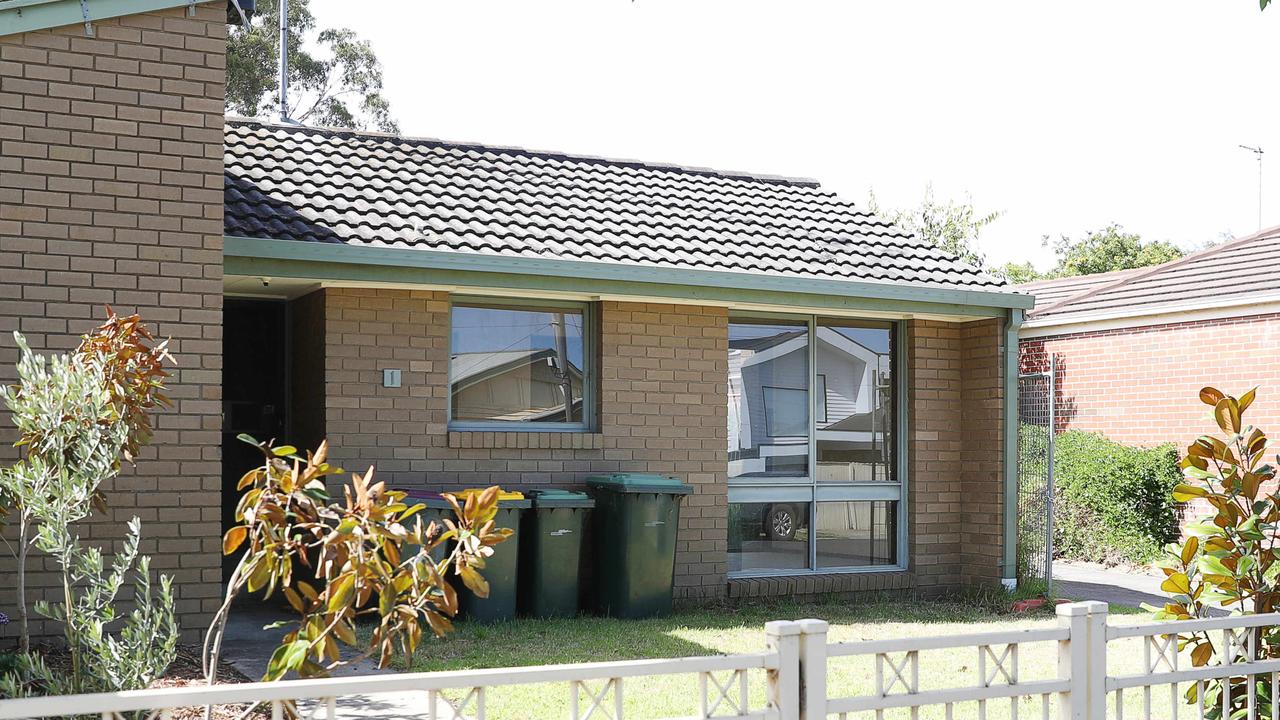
[[460, 315], [1134, 347]]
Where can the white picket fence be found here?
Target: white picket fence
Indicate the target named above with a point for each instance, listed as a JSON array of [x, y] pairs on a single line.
[[980, 675]]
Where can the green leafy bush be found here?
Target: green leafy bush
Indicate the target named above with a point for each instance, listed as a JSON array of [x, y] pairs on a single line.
[[1113, 503]]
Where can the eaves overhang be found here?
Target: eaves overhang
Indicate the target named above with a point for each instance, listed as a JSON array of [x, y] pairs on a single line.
[[20, 16], [356, 263]]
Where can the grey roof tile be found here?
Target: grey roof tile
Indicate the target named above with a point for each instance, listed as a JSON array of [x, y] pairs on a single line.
[[316, 185]]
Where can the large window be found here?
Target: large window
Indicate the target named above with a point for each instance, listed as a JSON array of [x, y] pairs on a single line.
[[812, 451], [525, 365]]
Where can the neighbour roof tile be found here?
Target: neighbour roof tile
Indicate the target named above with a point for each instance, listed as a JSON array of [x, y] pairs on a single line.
[[336, 186], [1233, 273]]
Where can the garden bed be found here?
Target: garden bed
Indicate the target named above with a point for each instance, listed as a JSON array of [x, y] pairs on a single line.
[[185, 671]]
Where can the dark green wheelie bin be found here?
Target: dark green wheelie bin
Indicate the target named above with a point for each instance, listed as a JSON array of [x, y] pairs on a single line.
[[551, 552], [636, 519], [500, 569]]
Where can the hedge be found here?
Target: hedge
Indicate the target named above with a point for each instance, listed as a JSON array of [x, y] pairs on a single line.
[[1113, 503]]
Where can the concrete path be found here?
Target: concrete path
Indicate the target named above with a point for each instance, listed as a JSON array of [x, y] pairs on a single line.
[[1079, 581], [248, 647], [1086, 581]]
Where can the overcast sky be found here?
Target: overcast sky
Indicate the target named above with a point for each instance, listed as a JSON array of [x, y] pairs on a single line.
[[1064, 116]]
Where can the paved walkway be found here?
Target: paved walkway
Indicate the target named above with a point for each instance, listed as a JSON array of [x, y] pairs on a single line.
[[248, 647]]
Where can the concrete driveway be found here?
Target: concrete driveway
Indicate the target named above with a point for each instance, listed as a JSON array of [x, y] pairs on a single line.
[[1086, 581]]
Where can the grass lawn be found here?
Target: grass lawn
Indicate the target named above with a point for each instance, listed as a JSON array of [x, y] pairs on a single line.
[[734, 630]]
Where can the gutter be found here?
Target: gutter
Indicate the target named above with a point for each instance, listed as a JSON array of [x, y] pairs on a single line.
[[293, 251], [1210, 308], [21, 16]]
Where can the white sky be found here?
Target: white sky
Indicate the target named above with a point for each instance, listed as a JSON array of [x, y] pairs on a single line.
[[1066, 116]]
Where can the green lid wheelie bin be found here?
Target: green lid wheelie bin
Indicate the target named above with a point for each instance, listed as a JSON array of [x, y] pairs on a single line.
[[636, 519], [551, 552], [500, 568]]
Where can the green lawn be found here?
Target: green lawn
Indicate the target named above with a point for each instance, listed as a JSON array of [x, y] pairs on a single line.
[[734, 630]]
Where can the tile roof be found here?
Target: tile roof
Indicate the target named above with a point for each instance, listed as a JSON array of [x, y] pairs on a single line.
[[1051, 291], [335, 186], [1236, 272]]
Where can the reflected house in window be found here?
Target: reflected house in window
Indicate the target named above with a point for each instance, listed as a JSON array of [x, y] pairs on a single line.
[[517, 385], [769, 406]]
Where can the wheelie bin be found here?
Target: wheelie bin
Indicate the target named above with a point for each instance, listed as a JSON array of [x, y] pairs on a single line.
[[551, 552], [636, 519], [500, 569]]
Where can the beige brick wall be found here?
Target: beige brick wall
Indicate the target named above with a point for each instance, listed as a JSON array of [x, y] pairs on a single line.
[[663, 395], [111, 192], [663, 409], [982, 452], [955, 454]]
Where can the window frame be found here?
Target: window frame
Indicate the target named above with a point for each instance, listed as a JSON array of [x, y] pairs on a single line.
[[812, 491], [590, 362]]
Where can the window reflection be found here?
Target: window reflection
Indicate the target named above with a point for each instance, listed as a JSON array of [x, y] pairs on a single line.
[[768, 536], [768, 399], [516, 364], [857, 534], [855, 407]]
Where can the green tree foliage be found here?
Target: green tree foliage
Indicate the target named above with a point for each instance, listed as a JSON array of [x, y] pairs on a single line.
[[1108, 249], [950, 226], [1229, 557], [1099, 251], [1016, 273], [77, 417], [339, 87]]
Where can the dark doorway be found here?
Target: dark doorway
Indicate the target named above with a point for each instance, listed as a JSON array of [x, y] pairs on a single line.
[[254, 391]]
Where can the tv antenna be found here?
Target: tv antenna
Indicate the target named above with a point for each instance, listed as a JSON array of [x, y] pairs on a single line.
[[284, 62], [1257, 151]]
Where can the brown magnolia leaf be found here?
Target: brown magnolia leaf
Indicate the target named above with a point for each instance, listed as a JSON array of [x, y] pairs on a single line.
[[1189, 549], [1177, 583], [474, 581], [440, 625], [341, 592], [1247, 399], [1210, 395], [1201, 654], [295, 600], [1250, 484], [234, 538], [1227, 413]]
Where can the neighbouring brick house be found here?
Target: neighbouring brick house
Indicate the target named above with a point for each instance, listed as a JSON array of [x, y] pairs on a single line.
[[836, 391], [1134, 347]]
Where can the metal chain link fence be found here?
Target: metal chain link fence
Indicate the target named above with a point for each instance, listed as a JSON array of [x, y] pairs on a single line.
[[1036, 421]]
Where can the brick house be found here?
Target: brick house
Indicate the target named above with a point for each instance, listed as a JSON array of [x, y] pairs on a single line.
[[1134, 347], [836, 391]]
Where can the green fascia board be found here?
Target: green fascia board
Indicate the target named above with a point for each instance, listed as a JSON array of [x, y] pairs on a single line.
[[356, 263], [20, 16]]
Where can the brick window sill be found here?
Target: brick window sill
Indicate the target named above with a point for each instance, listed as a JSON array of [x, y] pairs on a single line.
[[485, 439], [820, 584]]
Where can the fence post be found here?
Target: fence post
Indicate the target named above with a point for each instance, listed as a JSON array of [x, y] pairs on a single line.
[[1082, 660], [813, 669], [783, 637]]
